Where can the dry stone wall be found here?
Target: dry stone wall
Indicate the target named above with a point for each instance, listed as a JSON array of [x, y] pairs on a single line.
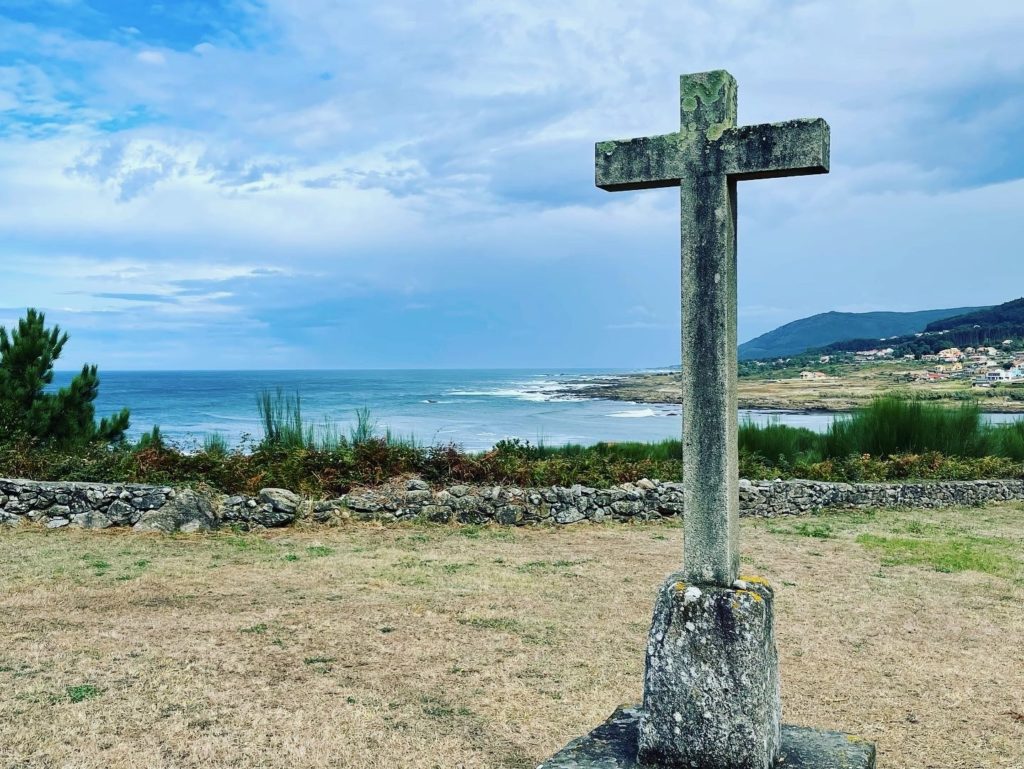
[[163, 508]]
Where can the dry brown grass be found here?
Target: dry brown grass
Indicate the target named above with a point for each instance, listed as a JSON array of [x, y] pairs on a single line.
[[442, 647], [856, 388]]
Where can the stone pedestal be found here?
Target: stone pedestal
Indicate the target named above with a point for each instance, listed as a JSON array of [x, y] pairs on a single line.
[[711, 687], [613, 745], [711, 695]]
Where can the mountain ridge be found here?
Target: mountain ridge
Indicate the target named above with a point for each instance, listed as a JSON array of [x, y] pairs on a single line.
[[827, 328]]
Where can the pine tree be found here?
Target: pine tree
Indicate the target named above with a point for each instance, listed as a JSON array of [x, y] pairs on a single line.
[[64, 418]]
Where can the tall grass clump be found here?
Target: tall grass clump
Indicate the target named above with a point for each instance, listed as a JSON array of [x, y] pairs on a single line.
[[890, 426], [281, 419], [775, 442], [215, 444], [365, 428], [284, 427], [1007, 441]]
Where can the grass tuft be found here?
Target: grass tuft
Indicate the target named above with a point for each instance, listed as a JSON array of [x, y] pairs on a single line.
[[83, 692]]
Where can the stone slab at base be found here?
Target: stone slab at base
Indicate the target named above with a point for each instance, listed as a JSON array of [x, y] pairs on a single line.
[[613, 745]]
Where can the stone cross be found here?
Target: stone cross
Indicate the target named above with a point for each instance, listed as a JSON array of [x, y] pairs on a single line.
[[711, 677], [705, 159]]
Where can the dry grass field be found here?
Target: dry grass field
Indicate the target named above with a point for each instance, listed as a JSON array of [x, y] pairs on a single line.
[[436, 647], [857, 386]]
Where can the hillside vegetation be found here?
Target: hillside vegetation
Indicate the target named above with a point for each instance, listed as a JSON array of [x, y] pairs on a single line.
[[828, 327], [986, 327]]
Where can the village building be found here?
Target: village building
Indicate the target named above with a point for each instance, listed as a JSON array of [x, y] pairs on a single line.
[[998, 375], [813, 375], [874, 354]]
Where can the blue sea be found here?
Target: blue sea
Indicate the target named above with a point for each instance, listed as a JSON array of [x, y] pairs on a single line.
[[472, 408]]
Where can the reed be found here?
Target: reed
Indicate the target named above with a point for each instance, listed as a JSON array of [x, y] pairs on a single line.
[[281, 419]]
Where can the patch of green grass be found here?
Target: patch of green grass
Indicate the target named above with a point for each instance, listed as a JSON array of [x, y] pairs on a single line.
[[815, 530], [987, 555], [544, 635], [257, 629], [319, 660], [99, 566], [290, 557], [82, 692], [439, 709], [455, 568], [319, 551], [248, 544], [533, 567], [506, 624], [414, 540], [919, 528]]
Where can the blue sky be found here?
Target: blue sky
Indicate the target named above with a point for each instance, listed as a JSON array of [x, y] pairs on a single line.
[[314, 183]]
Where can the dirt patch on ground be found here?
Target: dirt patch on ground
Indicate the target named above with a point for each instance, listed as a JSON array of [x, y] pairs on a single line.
[[427, 647]]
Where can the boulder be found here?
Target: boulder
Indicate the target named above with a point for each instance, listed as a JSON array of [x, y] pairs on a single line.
[[187, 511], [282, 500], [119, 513], [325, 510], [268, 516]]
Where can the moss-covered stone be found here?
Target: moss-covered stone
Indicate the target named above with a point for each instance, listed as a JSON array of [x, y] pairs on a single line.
[[711, 686], [706, 158], [613, 745]]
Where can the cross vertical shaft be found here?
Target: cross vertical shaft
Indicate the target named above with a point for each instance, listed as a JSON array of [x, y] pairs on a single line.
[[709, 408], [706, 158]]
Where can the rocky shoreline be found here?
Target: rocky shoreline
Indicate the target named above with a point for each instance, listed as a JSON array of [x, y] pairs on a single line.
[[835, 395]]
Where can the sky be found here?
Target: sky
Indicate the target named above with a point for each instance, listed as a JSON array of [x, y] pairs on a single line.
[[251, 184]]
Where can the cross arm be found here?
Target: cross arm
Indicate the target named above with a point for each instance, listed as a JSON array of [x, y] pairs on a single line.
[[633, 164], [770, 150]]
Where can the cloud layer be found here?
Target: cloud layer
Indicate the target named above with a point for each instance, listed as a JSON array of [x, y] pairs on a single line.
[[304, 183]]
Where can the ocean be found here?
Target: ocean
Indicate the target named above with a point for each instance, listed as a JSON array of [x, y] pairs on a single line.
[[472, 408]]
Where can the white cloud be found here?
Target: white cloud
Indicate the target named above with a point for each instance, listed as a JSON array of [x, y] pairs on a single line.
[[404, 147], [151, 57]]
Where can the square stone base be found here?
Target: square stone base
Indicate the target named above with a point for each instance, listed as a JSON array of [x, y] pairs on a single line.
[[613, 745]]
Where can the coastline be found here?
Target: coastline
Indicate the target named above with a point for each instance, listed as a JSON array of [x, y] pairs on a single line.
[[832, 395]]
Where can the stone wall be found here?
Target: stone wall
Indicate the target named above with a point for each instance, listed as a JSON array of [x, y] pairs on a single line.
[[163, 508]]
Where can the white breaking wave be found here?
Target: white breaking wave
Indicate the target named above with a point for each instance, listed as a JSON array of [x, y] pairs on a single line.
[[634, 414], [526, 391]]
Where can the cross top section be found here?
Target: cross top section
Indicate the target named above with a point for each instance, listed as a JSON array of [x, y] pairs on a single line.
[[708, 133], [705, 158]]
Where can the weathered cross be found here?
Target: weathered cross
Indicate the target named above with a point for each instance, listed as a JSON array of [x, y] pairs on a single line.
[[705, 158]]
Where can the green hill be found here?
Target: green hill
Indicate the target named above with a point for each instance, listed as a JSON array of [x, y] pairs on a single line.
[[1007, 314], [988, 326], [828, 327]]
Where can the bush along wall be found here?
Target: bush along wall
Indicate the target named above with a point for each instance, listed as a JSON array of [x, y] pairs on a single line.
[[168, 509]]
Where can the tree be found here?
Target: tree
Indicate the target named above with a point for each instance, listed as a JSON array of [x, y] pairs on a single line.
[[65, 417]]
